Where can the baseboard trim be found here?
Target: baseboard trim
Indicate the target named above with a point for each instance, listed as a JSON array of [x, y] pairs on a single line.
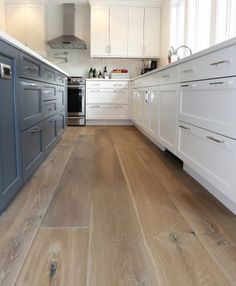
[[109, 122], [216, 193]]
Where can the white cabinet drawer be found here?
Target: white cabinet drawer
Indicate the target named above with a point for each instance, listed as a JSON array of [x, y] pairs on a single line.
[[220, 63], [107, 111], [107, 96], [170, 75], [210, 105], [107, 84], [212, 156]]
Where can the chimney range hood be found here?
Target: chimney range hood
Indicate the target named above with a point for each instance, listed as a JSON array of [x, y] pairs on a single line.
[[68, 40]]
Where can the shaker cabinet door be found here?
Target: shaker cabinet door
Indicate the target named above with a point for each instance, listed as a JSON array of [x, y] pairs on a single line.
[[10, 171], [99, 31], [118, 31]]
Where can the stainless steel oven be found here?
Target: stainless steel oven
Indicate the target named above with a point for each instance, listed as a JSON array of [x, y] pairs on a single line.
[[76, 101]]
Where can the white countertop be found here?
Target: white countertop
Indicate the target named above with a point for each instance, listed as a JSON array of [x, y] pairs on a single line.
[[13, 42], [214, 48], [110, 79]]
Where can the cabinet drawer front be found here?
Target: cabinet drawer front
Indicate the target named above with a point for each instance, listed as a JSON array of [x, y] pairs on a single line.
[[107, 96], [29, 67], [60, 98], [60, 123], [107, 111], [48, 74], [49, 132], [212, 156], [107, 84], [60, 79], [49, 108], [210, 105], [49, 92], [168, 76], [220, 63], [32, 150], [31, 102]]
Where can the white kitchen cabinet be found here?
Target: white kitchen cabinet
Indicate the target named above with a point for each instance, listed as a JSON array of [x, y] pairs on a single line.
[[211, 155], [153, 112], [100, 44], [118, 31], [152, 33], [107, 99], [15, 21], [210, 104], [169, 116], [125, 32], [26, 23], [135, 32], [134, 107]]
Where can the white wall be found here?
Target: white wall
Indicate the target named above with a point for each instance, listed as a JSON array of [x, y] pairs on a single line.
[[79, 60], [2, 15], [165, 32]]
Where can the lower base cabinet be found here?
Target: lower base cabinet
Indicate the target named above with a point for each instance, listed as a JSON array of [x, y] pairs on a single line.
[[211, 155], [38, 141], [107, 111], [60, 123]]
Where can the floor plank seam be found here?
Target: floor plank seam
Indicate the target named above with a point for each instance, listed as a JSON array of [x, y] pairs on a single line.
[[137, 214], [42, 217]]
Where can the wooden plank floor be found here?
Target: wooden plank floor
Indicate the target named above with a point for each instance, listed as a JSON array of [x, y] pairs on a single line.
[[108, 208]]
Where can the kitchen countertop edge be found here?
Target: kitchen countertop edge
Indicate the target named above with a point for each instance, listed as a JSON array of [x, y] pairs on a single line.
[[13, 42]]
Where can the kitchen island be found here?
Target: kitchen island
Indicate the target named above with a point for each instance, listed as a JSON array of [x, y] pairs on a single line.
[[32, 114]]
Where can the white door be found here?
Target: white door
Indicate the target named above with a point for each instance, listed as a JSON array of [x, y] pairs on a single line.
[[169, 115], [152, 33], [35, 29], [118, 31], [15, 21], [99, 31], [153, 112], [135, 32]]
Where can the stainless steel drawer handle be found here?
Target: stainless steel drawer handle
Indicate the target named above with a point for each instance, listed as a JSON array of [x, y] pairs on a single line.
[[215, 140], [28, 84], [166, 76], [117, 84], [50, 109], [95, 90], [47, 92], [184, 127], [94, 106], [216, 83], [185, 85], [34, 130], [187, 71], [219, 63], [32, 69], [96, 84]]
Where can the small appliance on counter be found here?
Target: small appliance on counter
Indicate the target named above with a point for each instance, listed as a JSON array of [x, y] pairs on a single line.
[[149, 65], [76, 101], [120, 74]]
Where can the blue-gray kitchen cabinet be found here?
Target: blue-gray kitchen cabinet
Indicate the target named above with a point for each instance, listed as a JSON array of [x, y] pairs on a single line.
[[10, 150]]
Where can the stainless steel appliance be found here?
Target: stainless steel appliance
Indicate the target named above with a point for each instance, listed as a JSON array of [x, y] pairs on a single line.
[[76, 101]]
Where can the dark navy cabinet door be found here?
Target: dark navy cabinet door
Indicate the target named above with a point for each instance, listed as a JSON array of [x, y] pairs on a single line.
[[31, 102], [49, 133], [10, 154], [60, 123], [32, 150], [61, 98]]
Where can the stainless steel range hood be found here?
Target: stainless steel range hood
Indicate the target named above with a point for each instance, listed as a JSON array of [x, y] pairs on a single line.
[[68, 40]]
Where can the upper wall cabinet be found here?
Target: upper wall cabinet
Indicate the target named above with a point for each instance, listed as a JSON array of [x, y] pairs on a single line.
[[118, 31], [100, 31], [26, 23], [128, 32], [152, 32], [135, 32]]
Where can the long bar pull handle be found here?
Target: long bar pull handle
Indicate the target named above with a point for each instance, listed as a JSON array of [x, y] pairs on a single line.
[[184, 127], [215, 140], [219, 63], [216, 83]]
